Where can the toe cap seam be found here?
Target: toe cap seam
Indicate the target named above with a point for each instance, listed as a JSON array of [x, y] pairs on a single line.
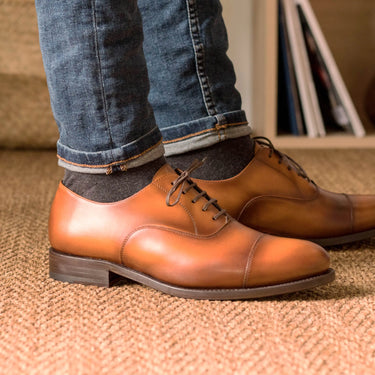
[[351, 212], [250, 258]]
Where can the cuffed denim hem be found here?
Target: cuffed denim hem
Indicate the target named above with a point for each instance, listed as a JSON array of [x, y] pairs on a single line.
[[204, 132], [131, 155]]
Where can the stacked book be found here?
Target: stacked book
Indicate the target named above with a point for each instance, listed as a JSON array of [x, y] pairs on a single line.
[[312, 97]]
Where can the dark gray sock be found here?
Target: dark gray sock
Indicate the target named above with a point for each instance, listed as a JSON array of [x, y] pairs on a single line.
[[223, 160], [114, 187]]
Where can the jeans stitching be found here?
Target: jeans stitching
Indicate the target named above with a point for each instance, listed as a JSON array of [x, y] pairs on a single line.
[[199, 57], [113, 163], [101, 80], [237, 114], [205, 131], [134, 142], [220, 126]]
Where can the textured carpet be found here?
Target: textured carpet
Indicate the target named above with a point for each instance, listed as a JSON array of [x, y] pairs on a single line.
[[48, 327]]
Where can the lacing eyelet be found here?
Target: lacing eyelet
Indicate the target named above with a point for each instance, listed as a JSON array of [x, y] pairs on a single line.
[[214, 219], [178, 186], [265, 142]]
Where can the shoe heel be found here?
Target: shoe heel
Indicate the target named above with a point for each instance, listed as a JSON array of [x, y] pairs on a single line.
[[79, 270]]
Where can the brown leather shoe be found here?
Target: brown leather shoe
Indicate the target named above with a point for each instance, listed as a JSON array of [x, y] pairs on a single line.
[[274, 195], [171, 236]]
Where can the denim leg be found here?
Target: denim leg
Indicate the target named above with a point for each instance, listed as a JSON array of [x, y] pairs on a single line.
[[98, 83], [192, 79]]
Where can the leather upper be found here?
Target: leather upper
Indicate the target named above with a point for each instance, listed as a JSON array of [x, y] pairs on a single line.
[[181, 244], [269, 195]]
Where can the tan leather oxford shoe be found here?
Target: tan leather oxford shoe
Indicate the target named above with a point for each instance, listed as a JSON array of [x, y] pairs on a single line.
[[274, 195], [171, 236]]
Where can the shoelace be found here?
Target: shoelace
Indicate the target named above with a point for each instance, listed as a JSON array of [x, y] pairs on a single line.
[[184, 179], [283, 157]]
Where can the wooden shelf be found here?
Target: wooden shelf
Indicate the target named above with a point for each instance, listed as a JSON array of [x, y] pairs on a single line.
[[330, 141]]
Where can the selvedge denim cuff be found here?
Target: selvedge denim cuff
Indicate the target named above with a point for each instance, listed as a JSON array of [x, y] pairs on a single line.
[[131, 155], [204, 132]]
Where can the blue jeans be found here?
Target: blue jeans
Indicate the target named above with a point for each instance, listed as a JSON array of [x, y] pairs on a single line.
[[130, 81]]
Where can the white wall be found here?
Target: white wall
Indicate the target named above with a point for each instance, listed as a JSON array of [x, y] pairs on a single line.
[[238, 18]]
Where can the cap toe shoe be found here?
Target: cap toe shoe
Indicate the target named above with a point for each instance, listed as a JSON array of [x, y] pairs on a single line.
[[173, 237], [274, 195]]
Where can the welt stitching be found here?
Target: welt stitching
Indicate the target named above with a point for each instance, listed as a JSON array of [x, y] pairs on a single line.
[[101, 80], [199, 56]]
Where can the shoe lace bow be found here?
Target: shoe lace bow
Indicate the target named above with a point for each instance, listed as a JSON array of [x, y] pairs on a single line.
[[183, 184]]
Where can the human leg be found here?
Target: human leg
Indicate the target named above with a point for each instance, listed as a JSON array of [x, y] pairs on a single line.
[[98, 84], [168, 234], [192, 85]]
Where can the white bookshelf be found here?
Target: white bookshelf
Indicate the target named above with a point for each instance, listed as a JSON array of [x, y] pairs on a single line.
[[253, 31]]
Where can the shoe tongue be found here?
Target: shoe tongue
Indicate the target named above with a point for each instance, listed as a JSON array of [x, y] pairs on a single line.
[[163, 171]]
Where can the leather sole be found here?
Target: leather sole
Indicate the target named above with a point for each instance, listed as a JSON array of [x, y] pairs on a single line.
[[89, 271], [341, 240]]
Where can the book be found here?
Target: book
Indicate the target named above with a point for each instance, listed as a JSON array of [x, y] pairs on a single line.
[[333, 112], [290, 119], [345, 104], [305, 83]]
